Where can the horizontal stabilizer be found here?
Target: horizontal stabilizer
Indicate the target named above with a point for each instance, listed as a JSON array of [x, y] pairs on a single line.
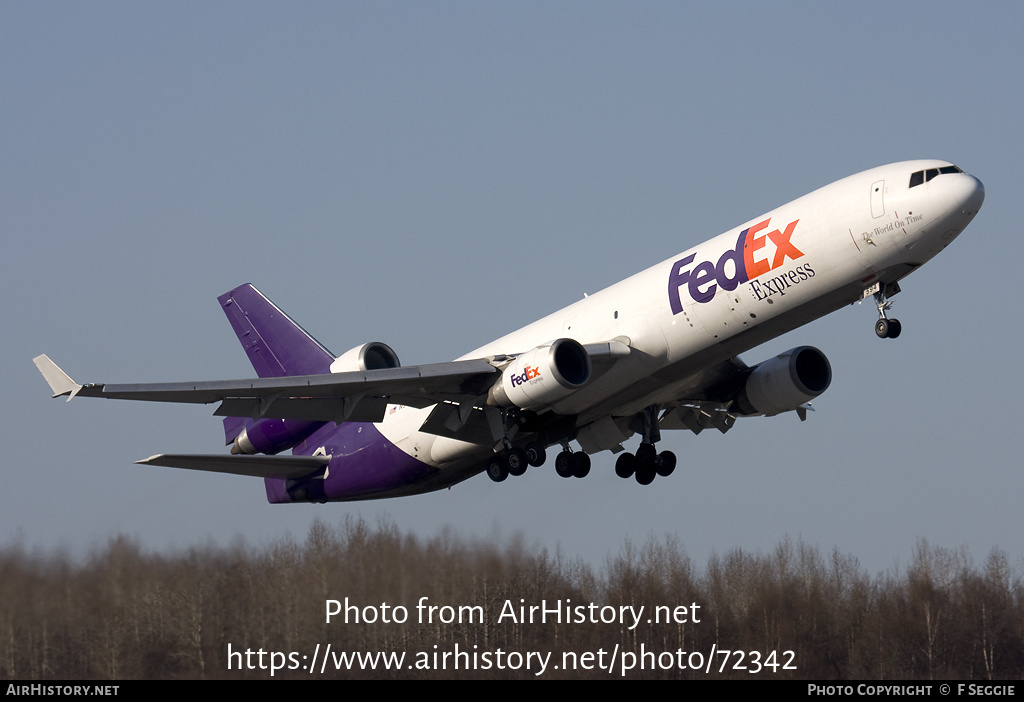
[[60, 382], [257, 466]]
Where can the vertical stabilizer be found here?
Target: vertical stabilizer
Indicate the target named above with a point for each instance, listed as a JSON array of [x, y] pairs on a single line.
[[276, 347], [275, 344]]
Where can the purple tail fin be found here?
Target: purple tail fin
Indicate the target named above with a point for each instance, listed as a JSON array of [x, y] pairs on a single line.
[[276, 347], [275, 344]]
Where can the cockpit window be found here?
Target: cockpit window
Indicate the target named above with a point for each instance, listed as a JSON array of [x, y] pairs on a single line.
[[919, 177]]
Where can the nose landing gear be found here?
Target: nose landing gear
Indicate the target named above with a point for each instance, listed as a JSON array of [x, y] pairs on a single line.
[[886, 328]]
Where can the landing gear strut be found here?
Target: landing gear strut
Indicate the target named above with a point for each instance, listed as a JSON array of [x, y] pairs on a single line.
[[647, 462], [886, 328], [512, 460]]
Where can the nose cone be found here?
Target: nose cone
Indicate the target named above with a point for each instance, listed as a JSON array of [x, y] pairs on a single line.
[[970, 194], [959, 196]]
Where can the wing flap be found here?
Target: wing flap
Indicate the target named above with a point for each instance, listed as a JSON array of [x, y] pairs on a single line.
[[458, 421], [315, 409]]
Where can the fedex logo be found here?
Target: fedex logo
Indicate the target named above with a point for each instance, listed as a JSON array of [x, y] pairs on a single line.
[[748, 260], [529, 373]]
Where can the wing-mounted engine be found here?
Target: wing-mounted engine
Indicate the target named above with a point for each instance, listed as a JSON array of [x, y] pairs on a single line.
[[541, 376], [785, 382], [272, 436]]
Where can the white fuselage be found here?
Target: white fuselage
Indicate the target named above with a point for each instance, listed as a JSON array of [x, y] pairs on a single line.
[[680, 317]]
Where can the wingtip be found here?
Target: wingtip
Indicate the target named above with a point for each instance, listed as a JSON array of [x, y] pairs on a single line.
[[59, 381]]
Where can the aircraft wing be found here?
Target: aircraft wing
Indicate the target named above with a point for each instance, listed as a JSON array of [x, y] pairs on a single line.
[[351, 396], [339, 397]]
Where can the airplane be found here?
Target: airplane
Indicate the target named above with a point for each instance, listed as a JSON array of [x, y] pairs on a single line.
[[655, 352]]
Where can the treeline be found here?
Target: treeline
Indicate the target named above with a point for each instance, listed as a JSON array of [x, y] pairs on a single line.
[[124, 613]]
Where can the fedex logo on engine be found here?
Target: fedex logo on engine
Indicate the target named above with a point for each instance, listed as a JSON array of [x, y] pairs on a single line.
[[529, 373], [748, 260]]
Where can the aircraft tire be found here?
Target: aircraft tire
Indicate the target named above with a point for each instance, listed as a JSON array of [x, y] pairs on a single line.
[[580, 465], [645, 473], [515, 460], [563, 464], [665, 463], [535, 454], [496, 469], [625, 465], [882, 328], [895, 328]]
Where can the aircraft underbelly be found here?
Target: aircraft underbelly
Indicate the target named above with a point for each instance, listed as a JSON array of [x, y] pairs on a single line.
[[364, 465], [686, 378]]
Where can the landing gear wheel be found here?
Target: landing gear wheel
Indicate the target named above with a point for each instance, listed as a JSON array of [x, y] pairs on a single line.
[[665, 463], [496, 469], [646, 458], [645, 453], [535, 454], [564, 464], [645, 473], [625, 465], [888, 328], [580, 465], [515, 461]]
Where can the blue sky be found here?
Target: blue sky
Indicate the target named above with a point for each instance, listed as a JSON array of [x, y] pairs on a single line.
[[434, 175]]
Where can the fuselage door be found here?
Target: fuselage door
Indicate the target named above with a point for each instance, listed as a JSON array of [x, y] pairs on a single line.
[[877, 201]]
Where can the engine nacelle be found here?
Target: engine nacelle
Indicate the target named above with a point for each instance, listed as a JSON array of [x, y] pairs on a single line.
[[535, 379], [271, 436], [371, 356], [785, 382]]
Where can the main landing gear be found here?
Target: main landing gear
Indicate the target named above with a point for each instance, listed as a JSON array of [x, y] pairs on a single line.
[[647, 462], [886, 328], [514, 461], [571, 465]]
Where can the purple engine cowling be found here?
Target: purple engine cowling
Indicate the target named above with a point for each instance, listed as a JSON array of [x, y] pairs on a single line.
[[271, 436]]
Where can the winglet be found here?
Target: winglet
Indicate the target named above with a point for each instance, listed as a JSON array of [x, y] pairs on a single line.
[[60, 382]]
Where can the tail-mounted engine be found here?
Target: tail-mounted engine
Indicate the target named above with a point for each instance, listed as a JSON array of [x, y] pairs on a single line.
[[372, 356], [272, 436], [535, 379], [785, 382]]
